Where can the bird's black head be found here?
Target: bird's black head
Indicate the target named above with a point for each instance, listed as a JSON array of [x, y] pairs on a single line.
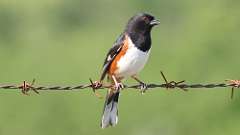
[[141, 23], [139, 30]]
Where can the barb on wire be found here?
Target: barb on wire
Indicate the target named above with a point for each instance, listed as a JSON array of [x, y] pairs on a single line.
[[172, 84], [25, 87], [235, 84], [182, 85], [96, 85]]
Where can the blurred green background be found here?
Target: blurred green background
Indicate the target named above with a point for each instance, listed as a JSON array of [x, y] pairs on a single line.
[[64, 42]]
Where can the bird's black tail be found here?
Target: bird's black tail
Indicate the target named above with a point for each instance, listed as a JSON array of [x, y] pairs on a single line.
[[110, 110]]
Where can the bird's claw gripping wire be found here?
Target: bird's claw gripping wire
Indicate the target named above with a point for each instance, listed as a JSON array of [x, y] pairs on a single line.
[[143, 87], [234, 84], [118, 86], [172, 84], [26, 87], [96, 85]]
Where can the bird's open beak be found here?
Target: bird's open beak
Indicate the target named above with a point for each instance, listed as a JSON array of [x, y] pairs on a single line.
[[154, 22]]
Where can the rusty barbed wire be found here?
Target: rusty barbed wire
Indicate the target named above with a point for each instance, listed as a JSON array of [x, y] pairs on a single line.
[[26, 87]]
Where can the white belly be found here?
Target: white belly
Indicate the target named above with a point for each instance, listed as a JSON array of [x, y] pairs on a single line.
[[132, 62]]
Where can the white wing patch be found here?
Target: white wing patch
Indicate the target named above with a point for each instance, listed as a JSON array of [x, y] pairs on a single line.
[[109, 58]]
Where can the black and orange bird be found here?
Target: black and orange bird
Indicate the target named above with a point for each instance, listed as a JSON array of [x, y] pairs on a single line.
[[126, 58]]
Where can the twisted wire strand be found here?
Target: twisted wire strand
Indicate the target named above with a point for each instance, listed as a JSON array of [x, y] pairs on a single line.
[[25, 87], [150, 86]]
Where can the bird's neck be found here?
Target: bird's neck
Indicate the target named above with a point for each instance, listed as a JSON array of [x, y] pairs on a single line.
[[142, 40]]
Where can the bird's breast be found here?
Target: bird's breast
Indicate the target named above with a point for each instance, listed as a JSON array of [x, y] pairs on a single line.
[[132, 62]]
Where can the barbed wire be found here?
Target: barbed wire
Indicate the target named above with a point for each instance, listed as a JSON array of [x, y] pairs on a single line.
[[182, 85]]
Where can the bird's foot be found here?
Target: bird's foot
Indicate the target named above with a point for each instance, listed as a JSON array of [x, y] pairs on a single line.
[[118, 87], [97, 85], [143, 87]]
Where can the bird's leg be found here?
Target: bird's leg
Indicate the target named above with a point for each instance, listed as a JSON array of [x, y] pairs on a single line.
[[118, 85], [143, 86]]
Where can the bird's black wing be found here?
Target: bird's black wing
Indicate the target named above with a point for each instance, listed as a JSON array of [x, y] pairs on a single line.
[[112, 53]]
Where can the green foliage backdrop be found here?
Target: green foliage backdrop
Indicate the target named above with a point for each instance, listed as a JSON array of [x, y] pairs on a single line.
[[65, 42]]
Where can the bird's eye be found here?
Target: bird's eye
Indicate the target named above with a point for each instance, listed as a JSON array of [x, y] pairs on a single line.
[[145, 19]]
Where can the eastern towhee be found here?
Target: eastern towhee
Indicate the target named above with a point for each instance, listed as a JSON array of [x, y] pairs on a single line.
[[126, 58]]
